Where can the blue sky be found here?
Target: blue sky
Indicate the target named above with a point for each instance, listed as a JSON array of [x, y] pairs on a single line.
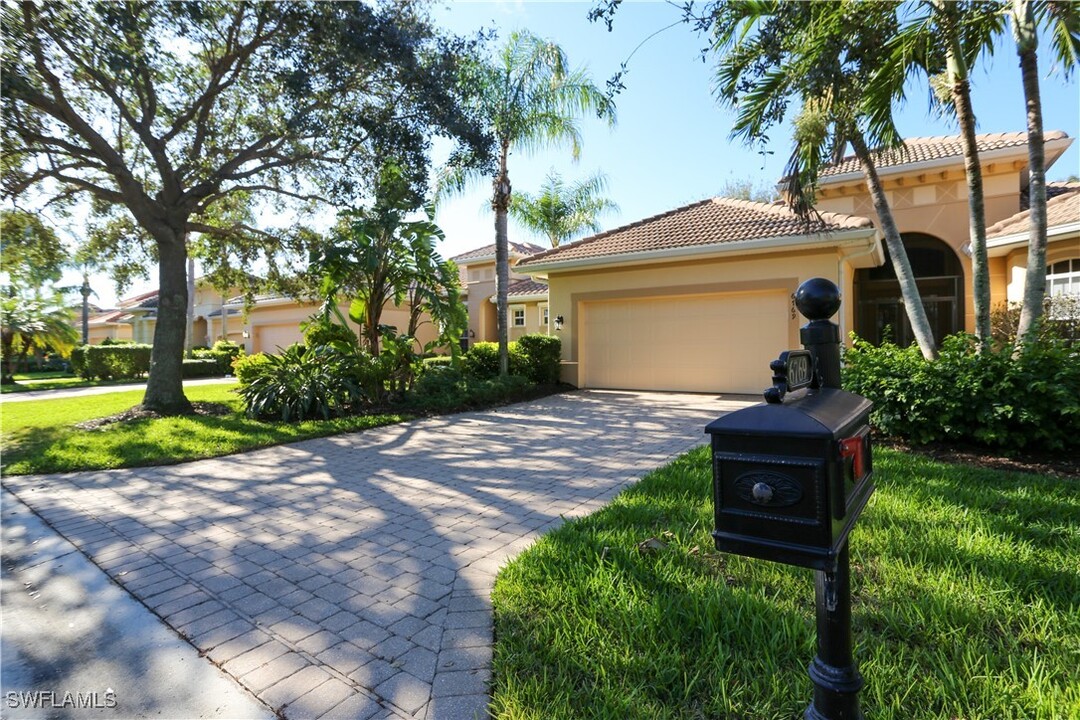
[[671, 143]]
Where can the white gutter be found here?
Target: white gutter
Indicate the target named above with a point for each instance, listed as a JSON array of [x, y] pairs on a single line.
[[1010, 242], [531, 297], [748, 247], [1019, 151]]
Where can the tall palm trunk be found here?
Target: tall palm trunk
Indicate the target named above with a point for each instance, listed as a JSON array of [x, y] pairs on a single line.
[[500, 203], [980, 270], [1027, 43], [909, 291]]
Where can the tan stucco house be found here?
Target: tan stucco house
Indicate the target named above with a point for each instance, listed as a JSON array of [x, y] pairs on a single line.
[[270, 323], [528, 298], [700, 298]]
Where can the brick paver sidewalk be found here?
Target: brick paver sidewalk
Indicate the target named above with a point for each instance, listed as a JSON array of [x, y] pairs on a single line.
[[351, 576]]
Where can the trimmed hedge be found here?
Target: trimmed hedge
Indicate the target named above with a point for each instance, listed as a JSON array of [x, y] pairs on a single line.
[[1024, 403], [449, 389], [535, 357], [223, 353], [200, 368], [542, 354], [248, 367], [111, 362]]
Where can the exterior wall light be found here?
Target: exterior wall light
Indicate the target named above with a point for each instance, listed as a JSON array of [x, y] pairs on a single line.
[[558, 322]]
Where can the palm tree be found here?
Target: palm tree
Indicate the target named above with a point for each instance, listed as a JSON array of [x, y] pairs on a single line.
[[561, 213], [29, 323], [943, 41], [1062, 19], [530, 100], [822, 55]]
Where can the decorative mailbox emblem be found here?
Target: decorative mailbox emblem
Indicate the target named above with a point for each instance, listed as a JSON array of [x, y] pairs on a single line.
[[793, 370], [768, 488]]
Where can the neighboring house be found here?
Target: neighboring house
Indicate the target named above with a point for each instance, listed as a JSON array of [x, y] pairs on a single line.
[[700, 298], [527, 297], [273, 321], [104, 324], [136, 318]]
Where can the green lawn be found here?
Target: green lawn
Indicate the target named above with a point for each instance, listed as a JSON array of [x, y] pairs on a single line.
[[39, 437], [55, 381], [966, 594]]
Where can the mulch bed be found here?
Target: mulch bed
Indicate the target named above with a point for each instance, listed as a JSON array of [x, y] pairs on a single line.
[[1056, 465], [138, 413]]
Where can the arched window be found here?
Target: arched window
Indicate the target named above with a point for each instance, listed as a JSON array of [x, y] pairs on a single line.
[[1063, 277], [880, 313]]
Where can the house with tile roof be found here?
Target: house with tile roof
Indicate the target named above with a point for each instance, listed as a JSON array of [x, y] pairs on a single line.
[[527, 312], [700, 298]]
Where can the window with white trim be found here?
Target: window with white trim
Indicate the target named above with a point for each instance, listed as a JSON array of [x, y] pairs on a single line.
[[1063, 278], [544, 316], [517, 316]]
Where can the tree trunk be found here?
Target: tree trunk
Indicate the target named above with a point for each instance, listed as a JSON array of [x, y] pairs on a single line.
[[500, 203], [1035, 278], [909, 291], [165, 387], [980, 271], [85, 309]]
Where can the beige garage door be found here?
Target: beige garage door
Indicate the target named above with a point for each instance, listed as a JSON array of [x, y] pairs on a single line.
[[270, 338], [701, 343]]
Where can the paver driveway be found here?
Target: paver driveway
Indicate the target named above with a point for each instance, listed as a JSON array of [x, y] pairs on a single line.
[[351, 576]]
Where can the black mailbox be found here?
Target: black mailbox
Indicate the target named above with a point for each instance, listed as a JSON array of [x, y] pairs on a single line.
[[791, 477]]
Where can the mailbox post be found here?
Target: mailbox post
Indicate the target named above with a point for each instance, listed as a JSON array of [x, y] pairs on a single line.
[[791, 476]]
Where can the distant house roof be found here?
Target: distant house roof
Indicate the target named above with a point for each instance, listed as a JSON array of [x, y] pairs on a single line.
[[1053, 189], [931, 149], [525, 289], [1061, 210], [103, 317], [145, 300], [717, 221], [488, 252]]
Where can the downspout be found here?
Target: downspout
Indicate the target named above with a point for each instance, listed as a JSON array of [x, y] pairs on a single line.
[[869, 250]]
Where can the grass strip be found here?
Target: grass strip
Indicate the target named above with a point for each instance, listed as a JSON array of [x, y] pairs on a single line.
[[966, 602], [40, 437]]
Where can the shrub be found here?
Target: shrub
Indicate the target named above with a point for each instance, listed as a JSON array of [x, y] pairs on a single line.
[[111, 362], [450, 389], [1060, 320], [78, 360], [248, 367], [436, 364], [298, 385], [482, 360], [1030, 402], [117, 341], [541, 357], [223, 353], [200, 367], [319, 332]]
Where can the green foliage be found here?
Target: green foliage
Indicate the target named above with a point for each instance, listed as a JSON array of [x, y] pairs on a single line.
[[321, 330], [378, 258], [223, 354], [117, 341], [436, 364], [113, 362], [248, 367], [446, 389], [482, 360], [1028, 402], [541, 356], [1060, 320], [300, 385], [78, 360], [560, 212], [200, 367], [33, 254]]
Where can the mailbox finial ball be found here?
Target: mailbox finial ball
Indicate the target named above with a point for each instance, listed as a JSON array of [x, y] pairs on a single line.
[[818, 299]]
